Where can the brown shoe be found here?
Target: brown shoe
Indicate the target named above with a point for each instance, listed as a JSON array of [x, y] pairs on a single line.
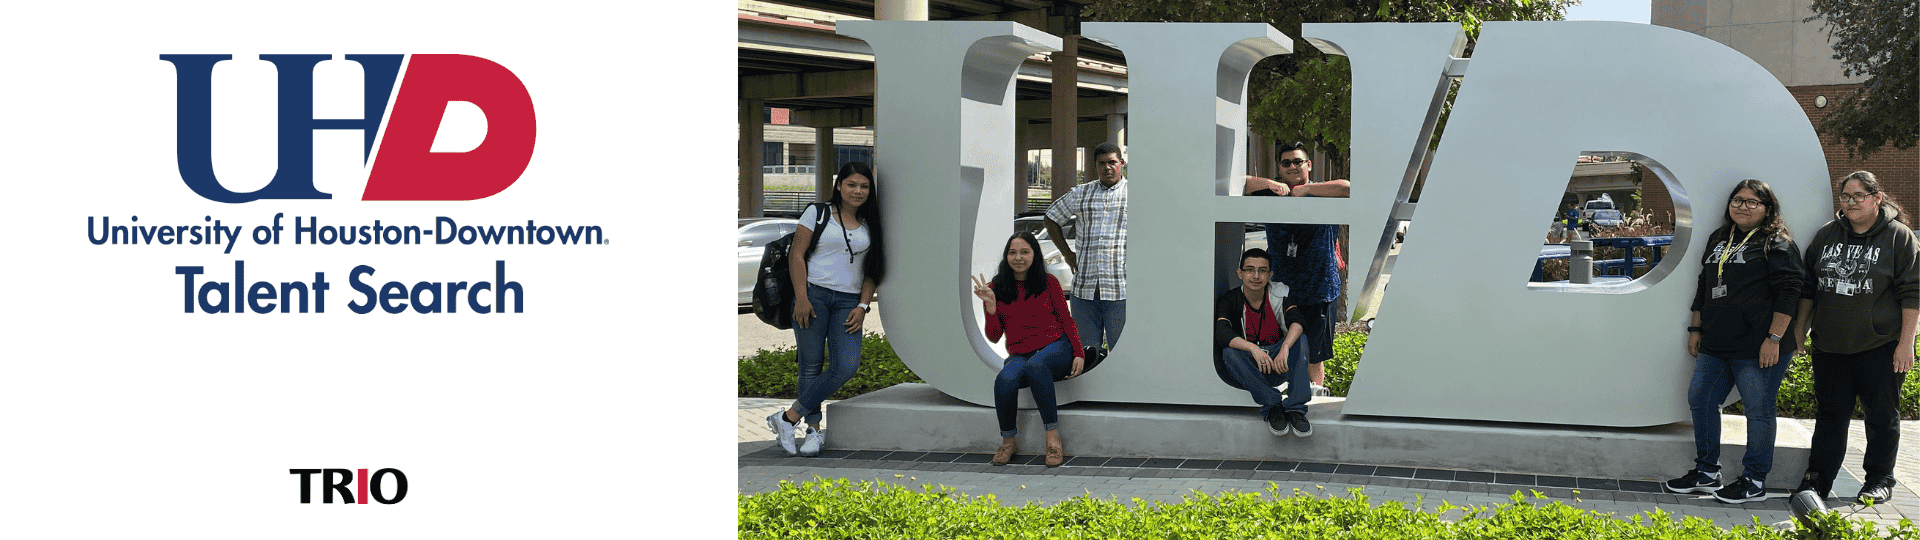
[[1055, 456], [1004, 455]]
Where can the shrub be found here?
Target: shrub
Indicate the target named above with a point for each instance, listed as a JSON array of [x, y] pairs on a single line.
[[774, 373], [842, 509], [1346, 358]]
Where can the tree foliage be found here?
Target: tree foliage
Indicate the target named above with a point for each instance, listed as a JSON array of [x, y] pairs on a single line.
[[1874, 38], [1308, 95]]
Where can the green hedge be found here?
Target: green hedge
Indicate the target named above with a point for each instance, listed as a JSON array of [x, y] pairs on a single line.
[[774, 373], [842, 509]]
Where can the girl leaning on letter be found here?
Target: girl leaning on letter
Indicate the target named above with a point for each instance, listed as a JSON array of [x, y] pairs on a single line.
[[833, 286], [1748, 291]]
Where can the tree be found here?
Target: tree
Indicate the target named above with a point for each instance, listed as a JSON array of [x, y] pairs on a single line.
[[1875, 38], [1282, 87]]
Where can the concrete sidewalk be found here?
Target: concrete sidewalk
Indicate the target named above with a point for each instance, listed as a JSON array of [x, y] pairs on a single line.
[[762, 466]]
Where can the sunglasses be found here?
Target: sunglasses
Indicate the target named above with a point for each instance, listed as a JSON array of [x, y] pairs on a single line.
[[1291, 162]]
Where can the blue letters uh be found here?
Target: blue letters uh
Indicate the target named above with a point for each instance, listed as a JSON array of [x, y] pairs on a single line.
[[294, 178]]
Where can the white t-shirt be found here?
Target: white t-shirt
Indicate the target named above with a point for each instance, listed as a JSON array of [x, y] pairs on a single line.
[[830, 266]]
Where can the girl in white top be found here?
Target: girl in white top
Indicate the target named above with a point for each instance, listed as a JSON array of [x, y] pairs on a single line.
[[833, 287]]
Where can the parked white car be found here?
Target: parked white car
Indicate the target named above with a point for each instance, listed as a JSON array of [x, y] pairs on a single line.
[[1602, 212], [755, 234], [1050, 255]]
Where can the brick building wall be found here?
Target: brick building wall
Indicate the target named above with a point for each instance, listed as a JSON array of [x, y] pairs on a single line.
[[1654, 196], [1898, 170]]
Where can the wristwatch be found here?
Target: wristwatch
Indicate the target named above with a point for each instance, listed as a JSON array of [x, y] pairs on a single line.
[[863, 307], [1774, 337]]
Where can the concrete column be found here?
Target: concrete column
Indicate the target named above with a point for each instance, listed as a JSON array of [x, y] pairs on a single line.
[[825, 163], [900, 10], [1066, 115], [1019, 167], [752, 135], [1117, 129]]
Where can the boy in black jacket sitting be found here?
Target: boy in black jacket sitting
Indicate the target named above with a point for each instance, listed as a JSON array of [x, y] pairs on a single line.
[[1252, 323]]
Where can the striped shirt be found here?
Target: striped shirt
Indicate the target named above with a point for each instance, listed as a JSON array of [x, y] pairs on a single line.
[[1100, 245]]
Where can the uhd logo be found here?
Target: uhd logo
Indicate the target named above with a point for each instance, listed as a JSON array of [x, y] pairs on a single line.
[[406, 168], [342, 481]]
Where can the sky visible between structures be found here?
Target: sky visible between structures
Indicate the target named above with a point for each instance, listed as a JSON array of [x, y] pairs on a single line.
[[1612, 10]]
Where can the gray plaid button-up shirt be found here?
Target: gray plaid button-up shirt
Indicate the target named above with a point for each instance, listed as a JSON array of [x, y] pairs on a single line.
[[1100, 244]]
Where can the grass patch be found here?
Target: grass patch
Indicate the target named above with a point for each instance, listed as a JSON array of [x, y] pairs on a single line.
[[776, 373]]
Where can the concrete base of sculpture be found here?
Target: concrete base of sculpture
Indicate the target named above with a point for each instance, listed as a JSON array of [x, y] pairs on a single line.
[[916, 417]]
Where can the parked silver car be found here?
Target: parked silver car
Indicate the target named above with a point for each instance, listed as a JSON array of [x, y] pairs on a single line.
[[755, 233]]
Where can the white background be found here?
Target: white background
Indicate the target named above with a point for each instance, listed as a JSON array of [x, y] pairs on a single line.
[[604, 410]]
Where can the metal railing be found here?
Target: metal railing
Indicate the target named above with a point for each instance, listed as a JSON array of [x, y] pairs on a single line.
[[790, 203]]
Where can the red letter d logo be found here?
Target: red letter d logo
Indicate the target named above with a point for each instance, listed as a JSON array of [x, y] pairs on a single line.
[[406, 170]]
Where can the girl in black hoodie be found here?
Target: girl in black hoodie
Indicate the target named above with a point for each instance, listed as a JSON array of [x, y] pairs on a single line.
[[1743, 307], [1861, 302]]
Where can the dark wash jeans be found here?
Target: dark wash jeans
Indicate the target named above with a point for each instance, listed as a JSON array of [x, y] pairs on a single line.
[[1035, 370], [1713, 378], [1246, 375]]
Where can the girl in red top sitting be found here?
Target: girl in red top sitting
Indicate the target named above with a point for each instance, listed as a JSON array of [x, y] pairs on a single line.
[[1026, 305]]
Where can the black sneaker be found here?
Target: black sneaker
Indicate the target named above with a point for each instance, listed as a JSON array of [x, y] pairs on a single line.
[[1695, 481], [1879, 489], [1741, 490], [1277, 424], [1301, 428]]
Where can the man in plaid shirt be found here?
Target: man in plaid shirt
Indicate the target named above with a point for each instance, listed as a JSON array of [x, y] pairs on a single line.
[[1099, 293]]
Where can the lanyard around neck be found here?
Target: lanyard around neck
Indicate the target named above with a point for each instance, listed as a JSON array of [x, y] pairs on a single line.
[[846, 236], [1729, 251]]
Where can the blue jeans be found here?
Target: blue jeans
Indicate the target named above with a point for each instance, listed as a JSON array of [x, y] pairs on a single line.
[[1244, 374], [1713, 377], [1099, 321], [1036, 370], [824, 338]]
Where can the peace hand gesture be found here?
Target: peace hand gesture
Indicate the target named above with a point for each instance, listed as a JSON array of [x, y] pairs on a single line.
[[984, 292]]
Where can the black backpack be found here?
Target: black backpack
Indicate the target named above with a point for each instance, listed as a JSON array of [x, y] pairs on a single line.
[[773, 284]]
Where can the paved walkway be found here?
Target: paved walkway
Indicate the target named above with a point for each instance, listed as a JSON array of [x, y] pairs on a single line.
[[762, 467]]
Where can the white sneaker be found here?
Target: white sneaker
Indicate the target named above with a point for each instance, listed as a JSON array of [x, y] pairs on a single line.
[[1321, 391], [816, 439], [782, 430]]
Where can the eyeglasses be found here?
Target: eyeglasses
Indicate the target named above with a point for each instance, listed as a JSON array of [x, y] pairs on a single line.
[[1851, 197], [1257, 271], [1744, 203], [1291, 162]]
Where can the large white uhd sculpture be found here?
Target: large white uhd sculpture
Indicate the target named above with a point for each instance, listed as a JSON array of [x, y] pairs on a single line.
[[1464, 336]]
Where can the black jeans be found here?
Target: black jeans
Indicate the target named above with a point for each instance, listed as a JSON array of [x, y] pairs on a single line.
[[1837, 380]]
